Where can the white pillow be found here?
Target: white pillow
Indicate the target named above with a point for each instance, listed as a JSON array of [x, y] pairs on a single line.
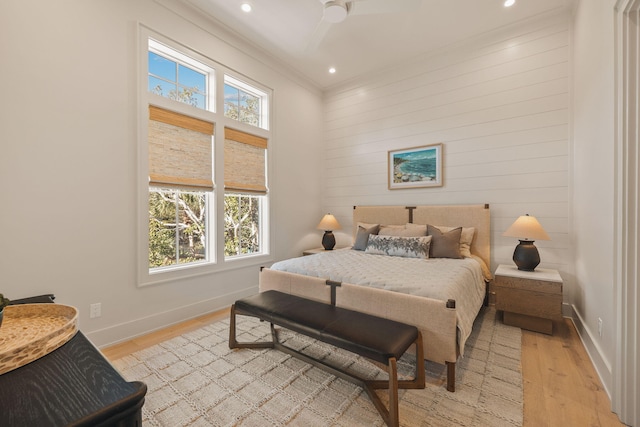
[[410, 247], [419, 227], [401, 230]]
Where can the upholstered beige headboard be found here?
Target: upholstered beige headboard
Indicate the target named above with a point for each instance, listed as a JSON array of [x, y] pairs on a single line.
[[477, 216]]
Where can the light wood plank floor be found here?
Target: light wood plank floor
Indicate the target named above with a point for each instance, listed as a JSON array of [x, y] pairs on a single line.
[[561, 387]]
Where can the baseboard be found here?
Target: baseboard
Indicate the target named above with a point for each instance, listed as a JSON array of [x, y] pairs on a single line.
[[600, 363], [135, 328]]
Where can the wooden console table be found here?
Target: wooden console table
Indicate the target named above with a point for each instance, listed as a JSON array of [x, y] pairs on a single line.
[[73, 385]]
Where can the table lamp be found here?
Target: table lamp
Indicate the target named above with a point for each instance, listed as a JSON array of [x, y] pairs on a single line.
[[328, 224], [527, 229]]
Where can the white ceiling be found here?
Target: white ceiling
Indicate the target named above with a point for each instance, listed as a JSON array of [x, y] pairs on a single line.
[[363, 43]]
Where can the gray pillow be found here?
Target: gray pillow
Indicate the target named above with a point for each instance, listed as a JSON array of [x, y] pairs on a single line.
[[444, 245], [362, 237]]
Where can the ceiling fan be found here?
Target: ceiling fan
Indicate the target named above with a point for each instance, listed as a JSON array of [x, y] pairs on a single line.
[[336, 11]]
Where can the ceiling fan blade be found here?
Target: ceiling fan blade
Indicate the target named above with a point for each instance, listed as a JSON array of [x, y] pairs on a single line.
[[318, 35], [371, 7]]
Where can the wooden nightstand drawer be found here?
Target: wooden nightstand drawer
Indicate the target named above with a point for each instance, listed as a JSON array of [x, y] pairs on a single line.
[[545, 305], [519, 283]]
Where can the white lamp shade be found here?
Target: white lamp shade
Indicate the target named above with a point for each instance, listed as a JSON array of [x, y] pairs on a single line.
[[329, 222], [527, 227]]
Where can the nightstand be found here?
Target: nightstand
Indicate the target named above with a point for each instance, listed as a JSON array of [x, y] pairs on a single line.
[[318, 250], [529, 299]]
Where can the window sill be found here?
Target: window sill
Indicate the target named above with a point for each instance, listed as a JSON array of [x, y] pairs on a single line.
[[188, 271]]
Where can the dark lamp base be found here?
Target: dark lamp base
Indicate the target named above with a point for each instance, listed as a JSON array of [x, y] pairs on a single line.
[[328, 241], [526, 256]]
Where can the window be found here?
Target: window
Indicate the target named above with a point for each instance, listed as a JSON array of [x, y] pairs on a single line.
[[245, 184], [180, 161], [242, 224], [177, 77], [244, 103], [180, 177], [186, 120], [244, 169], [177, 227]]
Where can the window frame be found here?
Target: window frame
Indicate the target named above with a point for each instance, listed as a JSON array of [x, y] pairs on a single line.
[[198, 65], [254, 90], [215, 200]]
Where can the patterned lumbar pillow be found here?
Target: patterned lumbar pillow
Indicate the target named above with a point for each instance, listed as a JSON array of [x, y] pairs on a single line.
[[410, 247]]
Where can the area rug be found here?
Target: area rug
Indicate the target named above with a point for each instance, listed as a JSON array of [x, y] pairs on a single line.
[[196, 380]]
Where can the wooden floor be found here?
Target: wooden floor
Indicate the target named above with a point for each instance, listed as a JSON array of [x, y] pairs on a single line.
[[561, 387]]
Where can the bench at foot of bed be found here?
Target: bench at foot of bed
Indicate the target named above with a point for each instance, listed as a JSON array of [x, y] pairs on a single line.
[[378, 339]]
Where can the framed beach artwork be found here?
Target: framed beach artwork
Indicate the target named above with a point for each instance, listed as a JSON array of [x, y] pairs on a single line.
[[415, 167]]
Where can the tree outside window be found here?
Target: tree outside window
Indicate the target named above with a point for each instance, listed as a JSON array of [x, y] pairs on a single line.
[[241, 105], [177, 227], [242, 224]]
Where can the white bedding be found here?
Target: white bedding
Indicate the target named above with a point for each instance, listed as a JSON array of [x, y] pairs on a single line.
[[436, 278]]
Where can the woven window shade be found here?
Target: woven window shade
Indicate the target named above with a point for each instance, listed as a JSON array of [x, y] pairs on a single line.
[[244, 162], [179, 151]]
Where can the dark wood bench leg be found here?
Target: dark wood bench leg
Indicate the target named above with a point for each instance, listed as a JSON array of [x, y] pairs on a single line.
[[233, 342], [420, 373], [391, 416], [394, 418], [418, 380], [451, 376]]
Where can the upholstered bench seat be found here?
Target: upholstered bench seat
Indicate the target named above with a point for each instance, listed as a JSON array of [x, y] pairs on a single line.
[[378, 339]]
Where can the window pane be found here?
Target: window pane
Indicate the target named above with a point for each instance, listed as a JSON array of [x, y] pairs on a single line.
[[231, 101], [250, 102], [243, 105], [177, 81], [200, 101], [162, 230], [177, 227], [189, 96], [191, 79], [192, 227], [242, 224], [161, 87], [192, 87], [162, 67], [249, 109], [249, 117]]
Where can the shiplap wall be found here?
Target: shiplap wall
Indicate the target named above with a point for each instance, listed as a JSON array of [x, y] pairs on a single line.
[[500, 106]]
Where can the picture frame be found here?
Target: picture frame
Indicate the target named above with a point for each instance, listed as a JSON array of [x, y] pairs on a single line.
[[415, 167]]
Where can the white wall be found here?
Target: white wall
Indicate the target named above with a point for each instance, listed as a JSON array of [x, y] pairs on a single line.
[[593, 180], [68, 162], [500, 106]]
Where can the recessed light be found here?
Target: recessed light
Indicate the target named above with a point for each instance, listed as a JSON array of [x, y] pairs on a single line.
[[509, 3], [246, 7], [332, 70]]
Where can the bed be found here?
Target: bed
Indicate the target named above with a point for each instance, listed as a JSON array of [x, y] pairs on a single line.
[[407, 288]]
